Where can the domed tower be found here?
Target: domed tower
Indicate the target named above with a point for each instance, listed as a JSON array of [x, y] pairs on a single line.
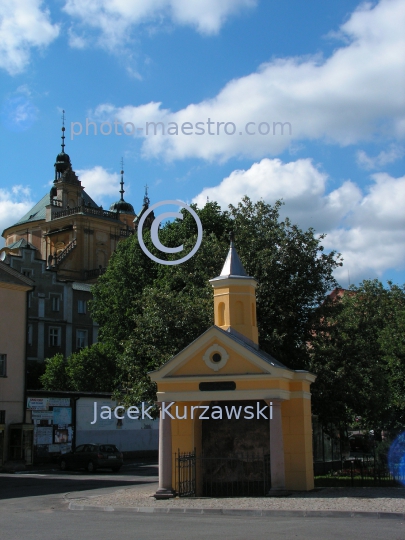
[[67, 190], [62, 163], [124, 209]]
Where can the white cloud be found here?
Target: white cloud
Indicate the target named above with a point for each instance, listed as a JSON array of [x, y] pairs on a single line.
[[349, 97], [368, 229], [116, 17], [100, 184], [394, 153], [23, 25], [76, 41], [14, 203]]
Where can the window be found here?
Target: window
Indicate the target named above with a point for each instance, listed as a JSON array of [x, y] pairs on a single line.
[[221, 314], [81, 306], [54, 336], [55, 303], [29, 334], [27, 273], [3, 365], [81, 339], [2, 420]]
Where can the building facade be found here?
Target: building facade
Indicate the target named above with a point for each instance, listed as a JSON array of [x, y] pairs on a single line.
[[64, 243], [14, 289], [203, 390]]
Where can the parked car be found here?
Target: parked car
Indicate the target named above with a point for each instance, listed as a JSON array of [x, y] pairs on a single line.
[[92, 457]]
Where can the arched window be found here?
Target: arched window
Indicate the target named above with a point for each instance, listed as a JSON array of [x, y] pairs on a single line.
[[238, 312], [221, 314]]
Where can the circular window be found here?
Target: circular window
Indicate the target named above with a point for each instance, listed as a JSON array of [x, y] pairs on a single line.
[[215, 357]]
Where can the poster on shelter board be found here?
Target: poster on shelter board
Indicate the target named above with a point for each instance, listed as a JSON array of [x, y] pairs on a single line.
[[38, 404], [62, 416], [44, 435], [59, 402]]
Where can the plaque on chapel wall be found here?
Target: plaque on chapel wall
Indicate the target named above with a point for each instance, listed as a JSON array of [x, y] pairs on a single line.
[[217, 386]]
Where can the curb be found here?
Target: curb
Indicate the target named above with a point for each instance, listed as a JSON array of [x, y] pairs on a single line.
[[238, 512]]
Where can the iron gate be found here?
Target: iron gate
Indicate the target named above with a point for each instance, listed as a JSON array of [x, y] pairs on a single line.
[[239, 475]]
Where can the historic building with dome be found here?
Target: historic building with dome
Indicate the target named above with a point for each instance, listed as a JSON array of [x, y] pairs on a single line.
[[64, 243], [68, 230]]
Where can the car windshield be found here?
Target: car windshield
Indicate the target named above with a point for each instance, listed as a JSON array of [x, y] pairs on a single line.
[[108, 448]]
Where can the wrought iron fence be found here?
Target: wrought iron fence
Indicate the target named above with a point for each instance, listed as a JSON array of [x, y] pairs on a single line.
[[357, 472], [240, 475], [186, 474]]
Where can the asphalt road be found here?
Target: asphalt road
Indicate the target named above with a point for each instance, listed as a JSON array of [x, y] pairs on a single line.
[[35, 507]]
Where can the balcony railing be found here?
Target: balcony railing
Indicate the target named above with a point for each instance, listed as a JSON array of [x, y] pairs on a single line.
[[126, 232], [91, 274], [62, 256], [89, 210]]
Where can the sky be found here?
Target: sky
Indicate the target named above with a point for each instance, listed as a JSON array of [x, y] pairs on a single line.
[[299, 101]]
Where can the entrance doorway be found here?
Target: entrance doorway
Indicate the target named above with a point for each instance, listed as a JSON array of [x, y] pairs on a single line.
[[235, 459]]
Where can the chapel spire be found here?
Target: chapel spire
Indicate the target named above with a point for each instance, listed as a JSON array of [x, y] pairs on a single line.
[[235, 298]]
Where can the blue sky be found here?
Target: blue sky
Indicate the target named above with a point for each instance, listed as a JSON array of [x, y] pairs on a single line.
[[333, 71]]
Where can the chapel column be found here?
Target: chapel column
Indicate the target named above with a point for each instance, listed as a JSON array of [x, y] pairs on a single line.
[[277, 467], [165, 490]]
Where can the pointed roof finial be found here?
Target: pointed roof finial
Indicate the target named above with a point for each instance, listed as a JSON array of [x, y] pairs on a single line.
[[233, 265], [63, 131], [122, 179], [146, 199]]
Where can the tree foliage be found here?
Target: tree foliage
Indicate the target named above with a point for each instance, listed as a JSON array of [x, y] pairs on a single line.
[[149, 311], [358, 354], [93, 369]]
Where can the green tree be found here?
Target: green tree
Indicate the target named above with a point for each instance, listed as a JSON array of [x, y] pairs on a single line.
[[91, 369], [359, 366], [55, 376], [148, 311], [151, 311]]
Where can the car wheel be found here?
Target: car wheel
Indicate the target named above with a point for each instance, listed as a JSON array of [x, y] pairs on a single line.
[[63, 465], [91, 467], [116, 469]]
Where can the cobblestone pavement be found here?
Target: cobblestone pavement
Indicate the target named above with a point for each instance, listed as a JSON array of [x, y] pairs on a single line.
[[367, 499]]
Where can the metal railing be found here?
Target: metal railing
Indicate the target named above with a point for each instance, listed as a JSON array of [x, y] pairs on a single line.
[[239, 475], [95, 272], [89, 210], [126, 232], [186, 473], [62, 256], [359, 471]]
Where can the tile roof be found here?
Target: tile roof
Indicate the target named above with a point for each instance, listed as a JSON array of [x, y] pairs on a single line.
[[38, 212], [9, 275]]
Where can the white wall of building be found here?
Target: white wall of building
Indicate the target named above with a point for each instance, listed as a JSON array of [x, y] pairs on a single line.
[[128, 435]]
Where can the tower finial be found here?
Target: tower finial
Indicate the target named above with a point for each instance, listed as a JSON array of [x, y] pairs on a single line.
[[232, 238], [63, 131], [146, 199], [122, 179]]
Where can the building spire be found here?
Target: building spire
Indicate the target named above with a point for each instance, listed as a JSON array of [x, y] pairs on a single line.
[[233, 265], [146, 200], [235, 298], [122, 179], [63, 131]]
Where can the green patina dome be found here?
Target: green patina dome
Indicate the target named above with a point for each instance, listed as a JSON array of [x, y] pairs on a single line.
[[122, 207], [62, 162]]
